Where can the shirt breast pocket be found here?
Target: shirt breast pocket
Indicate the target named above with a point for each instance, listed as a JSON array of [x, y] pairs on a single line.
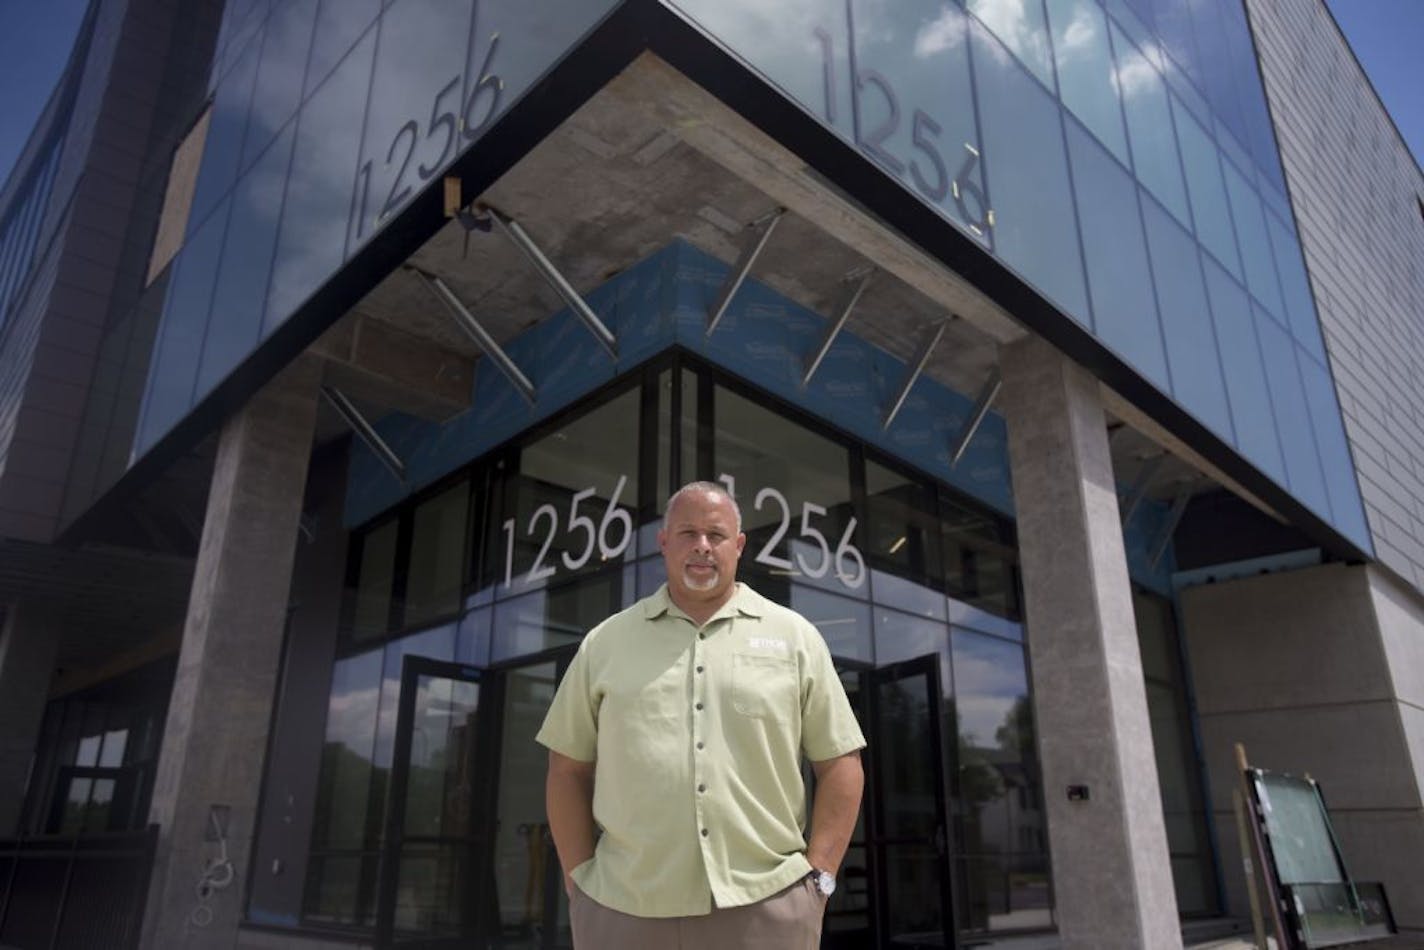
[[765, 687]]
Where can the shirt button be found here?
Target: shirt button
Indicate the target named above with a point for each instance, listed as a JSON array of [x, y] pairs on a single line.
[[699, 707], [702, 788], [699, 669], [699, 745], [705, 832], [702, 636]]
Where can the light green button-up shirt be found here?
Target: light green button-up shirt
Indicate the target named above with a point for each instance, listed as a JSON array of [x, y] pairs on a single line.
[[698, 735]]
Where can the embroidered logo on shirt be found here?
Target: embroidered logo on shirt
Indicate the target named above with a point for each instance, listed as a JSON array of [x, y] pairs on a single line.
[[767, 643]]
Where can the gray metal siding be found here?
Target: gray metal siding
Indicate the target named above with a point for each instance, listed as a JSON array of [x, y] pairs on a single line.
[[1356, 190]]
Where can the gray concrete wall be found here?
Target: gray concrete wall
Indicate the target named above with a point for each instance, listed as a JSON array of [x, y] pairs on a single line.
[[1356, 190], [1306, 668]]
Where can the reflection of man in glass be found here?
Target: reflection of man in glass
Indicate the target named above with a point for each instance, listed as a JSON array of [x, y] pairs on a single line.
[[679, 730]]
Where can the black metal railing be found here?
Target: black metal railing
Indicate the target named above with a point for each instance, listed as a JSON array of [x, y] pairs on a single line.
[[79, 892]]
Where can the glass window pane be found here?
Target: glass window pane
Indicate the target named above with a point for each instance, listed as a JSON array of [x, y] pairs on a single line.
[[174, 369], [112, 756], [1246, 211], [523, 847], [556, 616], [1208, 194], [843, 622], [335, 888], [345, 782], [371, 611], [994, 716], [442, 752], [793, 487], [279, 77], [1174, 25], [902, 532], [1215, 75], [241, 290], [980, 562], [318, 191], [1186, 321], [435, 644], [1346, 510], [571, 508], [1124, 309], [223, 145], [1009, 892], [1244, 372], [339, 24], [931, 147], [900, 636], [439, 539], [1178, 777], [418, 88], [1019, 25], [1300, 306], [88, 754], [1292, 417], [1085, 70], [1149, 127], [76, 806], [1027, 176]]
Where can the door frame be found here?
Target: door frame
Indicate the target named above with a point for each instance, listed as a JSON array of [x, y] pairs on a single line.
[[481, 821], [929, 667]]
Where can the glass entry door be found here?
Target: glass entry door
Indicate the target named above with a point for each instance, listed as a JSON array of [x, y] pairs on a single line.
[[434, 873], [906, 796]]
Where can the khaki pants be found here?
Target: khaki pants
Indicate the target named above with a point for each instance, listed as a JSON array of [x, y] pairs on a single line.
[[788, 920]]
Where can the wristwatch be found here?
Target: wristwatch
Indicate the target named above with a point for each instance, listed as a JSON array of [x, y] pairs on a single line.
[[825, 881]]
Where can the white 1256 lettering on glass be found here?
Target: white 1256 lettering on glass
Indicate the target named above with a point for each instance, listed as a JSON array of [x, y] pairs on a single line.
[[846, 555], [444, 128], [927, 169], [611, 536]]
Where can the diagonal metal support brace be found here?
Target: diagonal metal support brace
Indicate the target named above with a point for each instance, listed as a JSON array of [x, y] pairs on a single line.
[[1138, 491], [365, 431], [928, 342], [987, 395], [555, 279], [467, 322], [1174, 518], [851, 297], [742, 268]]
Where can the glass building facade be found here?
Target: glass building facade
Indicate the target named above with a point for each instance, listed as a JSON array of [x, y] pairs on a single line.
[[1113, 158], [1117, 156], [473, 595]]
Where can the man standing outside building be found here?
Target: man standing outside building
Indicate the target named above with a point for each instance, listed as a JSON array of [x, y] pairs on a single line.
[[679, 730]]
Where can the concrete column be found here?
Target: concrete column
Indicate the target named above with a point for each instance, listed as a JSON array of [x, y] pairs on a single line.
[[216, 736], [1111, 876], [27, 650]]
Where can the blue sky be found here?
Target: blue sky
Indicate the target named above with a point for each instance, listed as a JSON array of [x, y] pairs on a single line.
[[1387, 36], [36, 36]]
